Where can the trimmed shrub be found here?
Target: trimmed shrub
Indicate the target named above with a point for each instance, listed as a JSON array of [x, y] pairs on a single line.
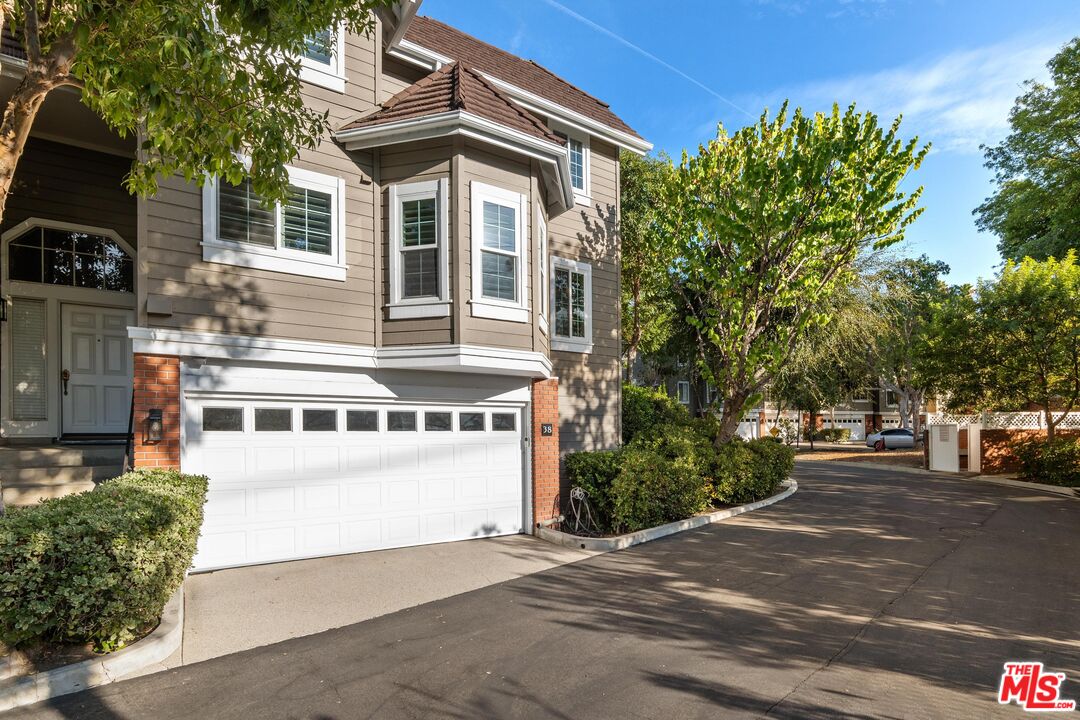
[[652, 489], [98, 566], [750, 471], [594, 472], [1054, 463], [644, 409], [829, 434]]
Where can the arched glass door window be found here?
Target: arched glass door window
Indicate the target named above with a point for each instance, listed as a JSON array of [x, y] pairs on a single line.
[[70, 257]]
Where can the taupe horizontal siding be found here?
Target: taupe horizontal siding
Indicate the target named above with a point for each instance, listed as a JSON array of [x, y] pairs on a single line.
[[65, 183], [590, 385]]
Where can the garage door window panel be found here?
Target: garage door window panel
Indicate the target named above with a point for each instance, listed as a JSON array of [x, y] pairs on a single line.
[[438, 421], [471, 422], [503, 422], [362, 421], [401, 421], [320, 420], [223, 419], [273, 420]]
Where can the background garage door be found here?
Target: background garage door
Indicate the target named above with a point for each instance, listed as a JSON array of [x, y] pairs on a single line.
[[295, 480]]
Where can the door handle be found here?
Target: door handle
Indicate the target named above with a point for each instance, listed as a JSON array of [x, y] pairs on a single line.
[[65, 376]]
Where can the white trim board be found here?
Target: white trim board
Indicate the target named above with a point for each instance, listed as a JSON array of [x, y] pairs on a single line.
[[447, 358]]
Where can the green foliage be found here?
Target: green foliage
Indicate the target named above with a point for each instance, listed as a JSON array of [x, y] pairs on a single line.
[[829, 434], [644, 409], [98, 566], [644, 290], [594, 472], [1036, 209], [1053, 463], [198, 82], [1014, 341], [750, 471], [766, 226], [652, 489]]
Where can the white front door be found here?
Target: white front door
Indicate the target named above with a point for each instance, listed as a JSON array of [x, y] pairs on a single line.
[[96, 372]]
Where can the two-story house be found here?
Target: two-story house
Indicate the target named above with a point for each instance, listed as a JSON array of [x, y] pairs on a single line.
[[398, 354]]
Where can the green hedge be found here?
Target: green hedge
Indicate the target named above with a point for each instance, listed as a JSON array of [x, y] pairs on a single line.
[[1054, 463], [645, 409], [829, 434], [673, 471], [98, 566]]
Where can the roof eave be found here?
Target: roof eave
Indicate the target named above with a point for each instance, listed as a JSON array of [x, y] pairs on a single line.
[[459, 122]]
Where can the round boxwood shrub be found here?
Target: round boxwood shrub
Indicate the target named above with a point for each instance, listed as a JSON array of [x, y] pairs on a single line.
[[98, 566], [652, 489]]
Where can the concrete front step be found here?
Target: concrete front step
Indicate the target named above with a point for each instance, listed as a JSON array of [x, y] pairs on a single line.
[[30, 494], [61, 456], [57, 475]]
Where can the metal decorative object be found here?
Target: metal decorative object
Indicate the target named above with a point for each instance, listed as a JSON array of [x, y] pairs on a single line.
[[580, 514]]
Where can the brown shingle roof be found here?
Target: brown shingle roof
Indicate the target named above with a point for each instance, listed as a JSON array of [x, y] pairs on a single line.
[[525, 74], [455, 87]]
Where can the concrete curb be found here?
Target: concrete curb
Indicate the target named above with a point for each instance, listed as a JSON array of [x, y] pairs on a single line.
[[155, 647], [622, 542], [1073, 493]]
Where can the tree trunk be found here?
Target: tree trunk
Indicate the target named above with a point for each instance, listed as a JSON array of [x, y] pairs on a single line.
[[916, 423], [19, 116], [812, 428], [730, 417], [1050, 425]]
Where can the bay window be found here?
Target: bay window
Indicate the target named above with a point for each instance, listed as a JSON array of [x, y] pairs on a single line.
[[499, 254]]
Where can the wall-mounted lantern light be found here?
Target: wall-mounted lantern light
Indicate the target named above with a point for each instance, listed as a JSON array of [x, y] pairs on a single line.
[[153, 426]]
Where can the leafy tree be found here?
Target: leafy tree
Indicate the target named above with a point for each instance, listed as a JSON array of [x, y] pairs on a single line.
[[831, 362], [1013, 342], [1036, 209], [911, 289], [766, 225], [195, 81], [645, 294]]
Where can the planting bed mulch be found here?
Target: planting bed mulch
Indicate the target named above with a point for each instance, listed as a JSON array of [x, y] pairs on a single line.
[[18, 662]]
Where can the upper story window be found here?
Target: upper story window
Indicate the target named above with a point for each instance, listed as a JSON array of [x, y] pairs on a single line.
[[577, 148], [571, 302], [418, 250], [71, 257], [499, 256], [323, 62], [303, 235]]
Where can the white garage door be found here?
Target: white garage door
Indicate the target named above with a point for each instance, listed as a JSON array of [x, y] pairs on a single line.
[[296, 480]]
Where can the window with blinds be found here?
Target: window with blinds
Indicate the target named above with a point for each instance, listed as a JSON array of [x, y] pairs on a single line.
[[28, 366], [304, 222]]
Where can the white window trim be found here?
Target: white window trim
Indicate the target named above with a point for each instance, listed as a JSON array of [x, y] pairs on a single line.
[[332, 76], [279, 259], [682, 389], [582, 196], [561, 342], [401, 308], [495, 309], [542, 264]]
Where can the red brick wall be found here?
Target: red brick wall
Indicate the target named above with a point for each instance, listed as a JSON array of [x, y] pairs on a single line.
[[157, 385], [996, 445], [545, 450]]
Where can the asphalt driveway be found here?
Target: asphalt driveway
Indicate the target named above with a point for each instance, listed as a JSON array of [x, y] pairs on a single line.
[[868, 594]]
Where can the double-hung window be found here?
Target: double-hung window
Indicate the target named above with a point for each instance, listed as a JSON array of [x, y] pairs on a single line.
[[577, 150], [418, 250], [304, 235], [323, 61], [499, 253], [682, 391], [571, 304]]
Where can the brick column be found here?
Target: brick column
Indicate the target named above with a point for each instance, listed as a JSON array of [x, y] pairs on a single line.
[[157, 387], [545, 449]]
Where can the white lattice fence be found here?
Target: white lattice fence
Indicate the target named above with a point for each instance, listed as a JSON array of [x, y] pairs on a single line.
[[1006, 420]]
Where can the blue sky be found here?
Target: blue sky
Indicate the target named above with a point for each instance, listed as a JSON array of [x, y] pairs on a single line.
[[952, 67]]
